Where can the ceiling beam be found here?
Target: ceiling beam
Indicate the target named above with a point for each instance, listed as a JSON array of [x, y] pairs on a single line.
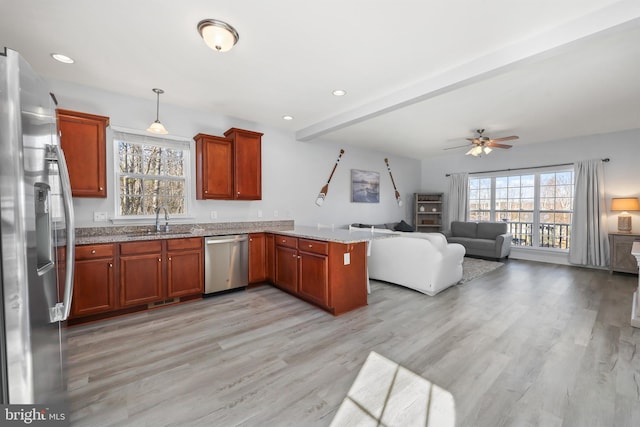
[[617, 17]]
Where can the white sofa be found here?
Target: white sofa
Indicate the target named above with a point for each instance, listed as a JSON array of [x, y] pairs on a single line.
[[421, 261]]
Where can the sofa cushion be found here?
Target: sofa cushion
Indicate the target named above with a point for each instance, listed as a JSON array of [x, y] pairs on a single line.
[[463, 229], [403, 226], [491, 230]]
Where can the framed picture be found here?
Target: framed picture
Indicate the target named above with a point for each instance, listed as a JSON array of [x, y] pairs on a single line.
[[365, 186]]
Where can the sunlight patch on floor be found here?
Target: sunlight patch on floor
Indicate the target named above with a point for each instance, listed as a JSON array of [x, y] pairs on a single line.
[[385, 393]]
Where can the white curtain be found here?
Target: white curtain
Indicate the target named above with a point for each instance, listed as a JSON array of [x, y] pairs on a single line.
[[589, 240], [457, 203]]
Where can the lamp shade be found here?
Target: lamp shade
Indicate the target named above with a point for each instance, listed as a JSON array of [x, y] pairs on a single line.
[[625, 204]]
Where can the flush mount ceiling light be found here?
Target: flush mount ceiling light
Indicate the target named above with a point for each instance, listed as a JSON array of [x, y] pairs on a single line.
[[339, 92], [218, 35], [62, 58], [287, 117], [157, 127]]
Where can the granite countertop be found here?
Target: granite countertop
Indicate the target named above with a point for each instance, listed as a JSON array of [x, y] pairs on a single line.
[[98, 235], [334, 235]]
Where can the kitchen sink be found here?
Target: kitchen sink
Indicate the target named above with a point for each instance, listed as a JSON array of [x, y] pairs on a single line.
[[151, 233]]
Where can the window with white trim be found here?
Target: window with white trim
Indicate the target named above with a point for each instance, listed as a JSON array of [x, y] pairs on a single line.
[[151, 172], [538, 206]]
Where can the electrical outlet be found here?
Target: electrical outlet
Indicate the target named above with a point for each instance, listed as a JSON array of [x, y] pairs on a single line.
[[214, 214], [99, 217], [259, 214], [347, 258], [275, 214]]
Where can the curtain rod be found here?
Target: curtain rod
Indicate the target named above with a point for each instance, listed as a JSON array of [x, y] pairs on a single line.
[[606, 159]]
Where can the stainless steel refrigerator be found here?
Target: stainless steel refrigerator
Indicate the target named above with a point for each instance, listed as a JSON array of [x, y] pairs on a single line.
[[37, 239]]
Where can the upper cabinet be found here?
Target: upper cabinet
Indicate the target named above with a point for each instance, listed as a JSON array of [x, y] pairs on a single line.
[[83, 140], [230, 167], [247, 163]]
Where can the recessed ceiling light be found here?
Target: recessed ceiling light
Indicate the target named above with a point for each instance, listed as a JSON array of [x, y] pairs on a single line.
[[339, 92], [62, 58], [287, 117]]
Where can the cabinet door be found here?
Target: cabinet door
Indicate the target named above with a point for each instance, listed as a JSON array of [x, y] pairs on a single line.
[[621, 258], [184, 273], [93, 287], [247, 163], [83, 140], [270, 249], [257, 257], [140, 279], [286, 268], [314, 278], [214, 167]]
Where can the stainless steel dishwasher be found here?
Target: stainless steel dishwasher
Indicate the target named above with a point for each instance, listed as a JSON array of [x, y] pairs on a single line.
[[226, 262]]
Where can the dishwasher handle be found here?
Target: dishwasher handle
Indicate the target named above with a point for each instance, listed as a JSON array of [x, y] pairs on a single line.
[[228, 239]]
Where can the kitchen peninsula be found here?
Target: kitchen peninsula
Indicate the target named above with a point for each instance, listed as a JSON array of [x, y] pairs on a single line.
[[127, 269]]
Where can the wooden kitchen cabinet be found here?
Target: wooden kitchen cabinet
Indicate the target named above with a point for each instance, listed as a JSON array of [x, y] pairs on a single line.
[[247, 163], [314, 271], [329, 274], [141, 273], [184, 267], [214, 167], [270, 249], [230, 167], [94, 288], [286, 263], [257, 258], [83, 140]]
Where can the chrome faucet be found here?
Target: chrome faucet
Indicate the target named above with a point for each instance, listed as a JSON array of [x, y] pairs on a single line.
[[166, 218]]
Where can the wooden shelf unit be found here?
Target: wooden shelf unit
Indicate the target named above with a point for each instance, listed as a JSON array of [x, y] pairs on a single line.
[[428, 209]]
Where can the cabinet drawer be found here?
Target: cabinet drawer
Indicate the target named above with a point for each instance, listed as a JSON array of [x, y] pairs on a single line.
[[133, 248], [315, 246], [290, 242], [94, 251], [188, 243]]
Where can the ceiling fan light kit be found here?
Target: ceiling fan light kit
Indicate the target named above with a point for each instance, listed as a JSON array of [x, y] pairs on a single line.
[[484, 144]]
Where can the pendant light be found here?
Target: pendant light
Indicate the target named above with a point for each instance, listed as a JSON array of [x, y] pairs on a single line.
[[157, 127], [218, 35]]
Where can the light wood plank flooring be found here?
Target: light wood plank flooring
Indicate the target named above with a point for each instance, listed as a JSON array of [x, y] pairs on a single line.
[[528, 344]]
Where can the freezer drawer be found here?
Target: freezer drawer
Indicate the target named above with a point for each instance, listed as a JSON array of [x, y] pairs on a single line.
[[226, 262]]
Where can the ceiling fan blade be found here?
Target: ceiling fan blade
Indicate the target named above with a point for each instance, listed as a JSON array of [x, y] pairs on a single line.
[[505, 138], [458, 146], [491, 144], [474, 140]]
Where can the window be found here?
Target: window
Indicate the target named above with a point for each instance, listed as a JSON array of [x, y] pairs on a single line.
[[151, 172], [537, 206]]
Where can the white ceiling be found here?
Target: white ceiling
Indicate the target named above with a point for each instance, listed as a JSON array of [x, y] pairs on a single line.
[[420, 76]]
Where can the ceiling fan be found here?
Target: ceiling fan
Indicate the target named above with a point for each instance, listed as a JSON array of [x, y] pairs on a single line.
[[483, 144]]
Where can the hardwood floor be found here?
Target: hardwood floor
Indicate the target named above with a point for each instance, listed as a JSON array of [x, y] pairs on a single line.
[[528, 344]]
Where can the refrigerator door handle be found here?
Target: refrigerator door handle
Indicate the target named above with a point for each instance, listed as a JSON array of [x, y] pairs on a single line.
[[64, 308]]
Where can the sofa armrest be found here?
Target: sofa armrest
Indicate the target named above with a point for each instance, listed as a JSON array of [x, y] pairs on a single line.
[[503, 245]]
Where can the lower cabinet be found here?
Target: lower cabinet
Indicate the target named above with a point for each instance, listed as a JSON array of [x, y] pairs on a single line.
[[112, 279], [94, 288], [141, 278], [184, 267], [329, 274], [257, 258]]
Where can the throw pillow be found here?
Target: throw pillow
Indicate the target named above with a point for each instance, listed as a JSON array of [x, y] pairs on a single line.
[[403, 226]]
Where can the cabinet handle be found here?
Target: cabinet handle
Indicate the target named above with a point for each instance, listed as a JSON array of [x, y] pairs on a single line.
[[298, 256], [169, 258], [284, 241], [310, 246], [110, 265], [101, 188], [238, 193], [159, 260], [205, 191], [93, 251], [294, 255]]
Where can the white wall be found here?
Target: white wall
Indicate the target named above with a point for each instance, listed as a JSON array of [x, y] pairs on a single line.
[[622, 172], [293, 172]]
